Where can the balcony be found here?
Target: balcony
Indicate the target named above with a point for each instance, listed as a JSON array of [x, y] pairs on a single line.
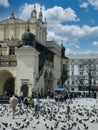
[[8, 61]]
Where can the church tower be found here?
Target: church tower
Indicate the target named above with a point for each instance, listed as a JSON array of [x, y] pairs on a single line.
[[40, 17], [37, 26], [27, 65], [34, 13]]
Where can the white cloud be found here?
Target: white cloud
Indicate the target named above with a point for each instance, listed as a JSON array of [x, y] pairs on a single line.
[[4, 3], [84, 5], [70, 51], [70, 34], [90, 31], [93, 3], [58, 15], [95, 43], [66, 32], [70, 31], [54, 15], [89, 52]]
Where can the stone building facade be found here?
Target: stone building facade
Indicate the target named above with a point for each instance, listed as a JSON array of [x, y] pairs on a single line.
[[82, 72], [28, 62]]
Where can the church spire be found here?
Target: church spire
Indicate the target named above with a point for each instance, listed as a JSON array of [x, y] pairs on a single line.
[[40, 14], [34, 12], [45, 22], [62, 50], [12, 16]]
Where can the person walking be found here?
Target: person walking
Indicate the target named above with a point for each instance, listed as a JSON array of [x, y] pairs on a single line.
[[13, 103], [36, 104], [68, 111], [20, 103]]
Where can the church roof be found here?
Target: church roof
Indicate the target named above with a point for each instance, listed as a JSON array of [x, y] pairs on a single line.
[[27, 47], [41, 48], [28, 36], [16, 20], [11, 19]]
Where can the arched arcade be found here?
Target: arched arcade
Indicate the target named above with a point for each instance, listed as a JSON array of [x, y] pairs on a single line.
[[7, 83]]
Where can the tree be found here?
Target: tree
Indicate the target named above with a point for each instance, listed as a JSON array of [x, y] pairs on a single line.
[[89, 73], [84, 74]]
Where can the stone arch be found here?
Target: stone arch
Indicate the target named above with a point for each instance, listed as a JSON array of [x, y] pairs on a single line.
[[6, 83]]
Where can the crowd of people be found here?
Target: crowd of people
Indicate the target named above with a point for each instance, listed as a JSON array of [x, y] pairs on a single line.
[[14, 100], [34, 100]]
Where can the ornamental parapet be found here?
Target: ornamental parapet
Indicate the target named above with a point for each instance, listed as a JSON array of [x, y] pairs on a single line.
[[8, 61]]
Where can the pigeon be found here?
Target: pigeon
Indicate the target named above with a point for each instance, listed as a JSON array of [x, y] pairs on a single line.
[[24, 120], [92, 121], [51, 128], [21, 127], [38, 122], [78, 128], [5, 124]]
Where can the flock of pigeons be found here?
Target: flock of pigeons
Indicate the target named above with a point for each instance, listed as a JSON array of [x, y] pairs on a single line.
[[52, 115]]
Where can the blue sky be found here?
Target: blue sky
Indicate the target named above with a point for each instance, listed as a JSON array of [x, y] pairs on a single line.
[[73, 22]]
